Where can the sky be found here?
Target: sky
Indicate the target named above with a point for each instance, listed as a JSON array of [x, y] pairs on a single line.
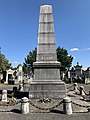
[[19, 21]]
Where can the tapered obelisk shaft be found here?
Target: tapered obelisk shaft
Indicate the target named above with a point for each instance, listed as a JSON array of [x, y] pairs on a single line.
[[46, 66], [46, 50]]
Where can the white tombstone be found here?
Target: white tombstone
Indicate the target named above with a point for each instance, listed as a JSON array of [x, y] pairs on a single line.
[[4, 96], [67, 108], [20, 73], [24, 105]]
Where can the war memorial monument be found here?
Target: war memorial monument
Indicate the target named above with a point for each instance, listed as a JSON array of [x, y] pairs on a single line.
[[46, 84], [47, 81]]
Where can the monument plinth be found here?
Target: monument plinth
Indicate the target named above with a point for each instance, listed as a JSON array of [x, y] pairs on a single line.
[[47, 81]]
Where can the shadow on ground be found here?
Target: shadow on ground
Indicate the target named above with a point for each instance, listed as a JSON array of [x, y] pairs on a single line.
[[56, 111], [16, 111]]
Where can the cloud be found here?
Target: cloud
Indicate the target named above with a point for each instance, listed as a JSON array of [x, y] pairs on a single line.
[[74, 49], [87, 49], [74, 58]]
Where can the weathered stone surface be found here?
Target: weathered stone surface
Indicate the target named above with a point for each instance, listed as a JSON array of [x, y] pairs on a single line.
[[46, 50], [45, 71], [67, 108], [50, 89], [46, 68], [24, 105]]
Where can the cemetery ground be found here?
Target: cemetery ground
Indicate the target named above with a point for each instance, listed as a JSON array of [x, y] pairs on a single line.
[[52, 115], [44, 116], [7, 86]]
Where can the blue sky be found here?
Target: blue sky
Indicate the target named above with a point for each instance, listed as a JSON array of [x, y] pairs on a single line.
[[19, 28]]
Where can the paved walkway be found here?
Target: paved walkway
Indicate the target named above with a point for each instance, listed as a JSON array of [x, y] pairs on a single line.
[[44, 116], [7, 87]]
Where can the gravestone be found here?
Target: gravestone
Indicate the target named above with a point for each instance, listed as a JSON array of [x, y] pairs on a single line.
[[46, 81], [20, 73]]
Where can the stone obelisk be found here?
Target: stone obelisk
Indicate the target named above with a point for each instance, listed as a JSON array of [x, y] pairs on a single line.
[[47, 81]]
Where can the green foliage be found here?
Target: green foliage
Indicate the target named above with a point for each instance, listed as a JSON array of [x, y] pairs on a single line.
[[12, 101], [64, 58], [45, 100], [31, 57], [4, 63]]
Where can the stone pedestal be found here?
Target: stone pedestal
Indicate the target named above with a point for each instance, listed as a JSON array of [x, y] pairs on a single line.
[[82, 90], [75, 87], [4, 96], [67, 108], [24, 105], [50, 89], [47, 81]]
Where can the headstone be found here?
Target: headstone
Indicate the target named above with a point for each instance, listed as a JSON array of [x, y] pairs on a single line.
[[47, 81], [24, 105], [20, 73], [4, 96]]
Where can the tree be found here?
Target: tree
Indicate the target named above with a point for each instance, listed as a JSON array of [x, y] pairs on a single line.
[[64, 58], [4, 63], [28, 64]]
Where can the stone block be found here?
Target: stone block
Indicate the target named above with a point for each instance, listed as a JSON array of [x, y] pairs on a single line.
[[48, 89]]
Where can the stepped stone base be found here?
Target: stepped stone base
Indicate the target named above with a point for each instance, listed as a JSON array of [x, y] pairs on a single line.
[[50, 89]]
